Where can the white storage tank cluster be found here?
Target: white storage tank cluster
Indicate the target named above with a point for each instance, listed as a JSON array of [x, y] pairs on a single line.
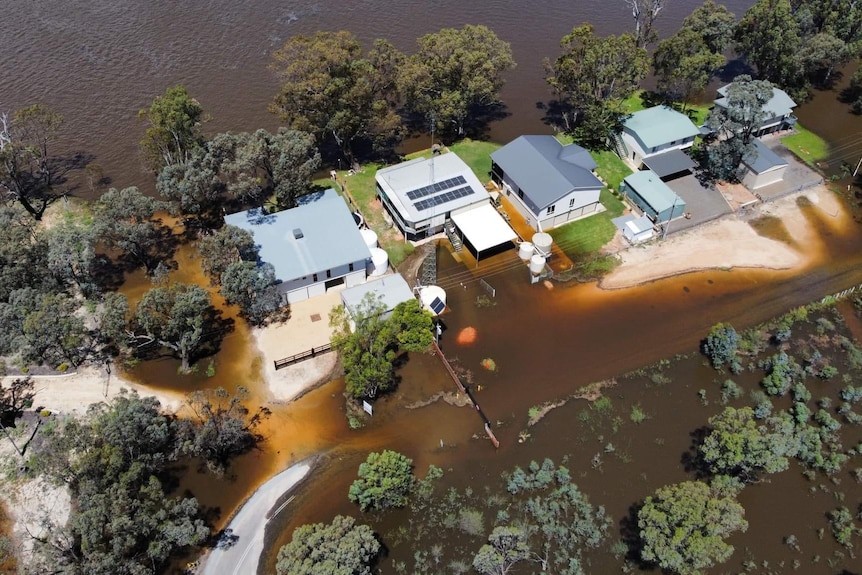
[[525, 251], [379, 262], [543, 242], [369, 236]]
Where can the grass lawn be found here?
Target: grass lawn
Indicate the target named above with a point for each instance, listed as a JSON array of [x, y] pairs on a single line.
[[806, 145], [477, 155], [610, 168]]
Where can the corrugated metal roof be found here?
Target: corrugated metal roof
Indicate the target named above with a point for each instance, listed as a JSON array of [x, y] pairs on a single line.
[[545, 170], [391, 290], [329, 239], [780, 104], [660, 125], [671, 162], [399, 180], [762, 158], [650, 187]]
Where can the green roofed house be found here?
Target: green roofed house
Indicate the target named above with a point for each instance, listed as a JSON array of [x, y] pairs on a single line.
[[656, 138], [652, 196], [778, 111], [313, 247]]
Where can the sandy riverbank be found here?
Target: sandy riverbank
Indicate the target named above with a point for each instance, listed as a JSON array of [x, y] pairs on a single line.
[[73, 393], [731, 242]]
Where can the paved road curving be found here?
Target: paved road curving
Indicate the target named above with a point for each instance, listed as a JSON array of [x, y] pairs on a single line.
[[248, 526]]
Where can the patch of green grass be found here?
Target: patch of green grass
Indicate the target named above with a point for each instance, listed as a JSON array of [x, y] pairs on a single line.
[[635, 102], [611, 169], [806, 145], [477, 155]]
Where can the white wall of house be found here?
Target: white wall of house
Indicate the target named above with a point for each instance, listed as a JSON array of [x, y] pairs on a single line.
[[754, 181], [574, 205], [636, 150], [315, 284]]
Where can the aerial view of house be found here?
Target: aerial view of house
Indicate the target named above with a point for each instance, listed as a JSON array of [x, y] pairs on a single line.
[[778, 111], [549, 183], [763, 166], [313, 247], [656, 138]]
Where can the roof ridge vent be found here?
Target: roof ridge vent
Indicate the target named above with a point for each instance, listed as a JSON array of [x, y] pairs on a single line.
[[297, 233]]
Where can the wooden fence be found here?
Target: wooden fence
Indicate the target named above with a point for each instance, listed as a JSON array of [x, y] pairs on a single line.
[[313, 352]]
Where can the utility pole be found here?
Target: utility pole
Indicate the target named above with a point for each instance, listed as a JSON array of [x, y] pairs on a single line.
[[667, 223]]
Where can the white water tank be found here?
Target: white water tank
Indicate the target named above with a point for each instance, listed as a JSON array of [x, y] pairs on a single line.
[[379, 262], [433, 299], [537, 264], [525, 251], [543, 242], [369, 236]]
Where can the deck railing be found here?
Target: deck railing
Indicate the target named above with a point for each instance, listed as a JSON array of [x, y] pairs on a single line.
[[313, 352]]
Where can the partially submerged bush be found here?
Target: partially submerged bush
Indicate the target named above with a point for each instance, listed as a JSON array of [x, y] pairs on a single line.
[[721, 345]]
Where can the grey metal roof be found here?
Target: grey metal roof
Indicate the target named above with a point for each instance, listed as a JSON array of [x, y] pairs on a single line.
[[401, 179], [660, 125], [329, 239], [650, 187], [668, 163], [545, 170], [762, 158], [780, 104], [391, 290]]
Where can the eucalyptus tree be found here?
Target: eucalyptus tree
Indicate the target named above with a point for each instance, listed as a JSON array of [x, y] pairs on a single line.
[[173, 131]]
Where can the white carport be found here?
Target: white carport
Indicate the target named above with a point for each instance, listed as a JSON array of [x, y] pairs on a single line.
[[483, 228]]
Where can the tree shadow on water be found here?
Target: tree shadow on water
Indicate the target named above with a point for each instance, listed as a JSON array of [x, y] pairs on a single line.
[[692, 460], [630, 535]]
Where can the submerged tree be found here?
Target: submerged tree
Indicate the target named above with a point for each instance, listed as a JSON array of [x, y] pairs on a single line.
[[645, 13], [29, 173], [684, 65], [456, 75], [591, 79], [253, 288], [683, 527], [769, 38], [227, 245], [506, 547], [369, 342], [221, 427], [329, 89], [325, 549], [385, 481], [177, 317], [740, 446], [174, 122]]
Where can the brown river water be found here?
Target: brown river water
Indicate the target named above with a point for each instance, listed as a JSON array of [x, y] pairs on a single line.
[[98, 62]]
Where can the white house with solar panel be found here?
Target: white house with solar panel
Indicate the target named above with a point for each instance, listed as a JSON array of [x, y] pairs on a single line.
[[313, 247], [549, 183], [425, 195], [656, 139]]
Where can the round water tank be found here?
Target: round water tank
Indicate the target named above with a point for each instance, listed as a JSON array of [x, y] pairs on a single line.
[[369, 236], [525, 250], [537, 264], [433, 299], [543, 242], [379, 262]]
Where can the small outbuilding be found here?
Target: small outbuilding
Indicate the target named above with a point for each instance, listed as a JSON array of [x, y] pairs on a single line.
[[635, 229], [389, 290], [313, 247], [764, 167], [652, 196]]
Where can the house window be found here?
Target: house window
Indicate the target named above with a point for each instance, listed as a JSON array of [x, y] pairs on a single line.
[[314, 278], [328, 274], [572, 203], [350, 267], [550, 209], [521, 194]]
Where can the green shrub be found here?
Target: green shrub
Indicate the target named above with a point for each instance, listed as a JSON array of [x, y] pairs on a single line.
[[782, 370], [730, 390], [603, 404], [471, 521], [638, 415], [63, 367], [721, 344]]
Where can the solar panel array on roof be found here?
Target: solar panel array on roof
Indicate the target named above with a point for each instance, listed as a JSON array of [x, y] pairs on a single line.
[[436, 187], [437, 306], [443, 198]]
